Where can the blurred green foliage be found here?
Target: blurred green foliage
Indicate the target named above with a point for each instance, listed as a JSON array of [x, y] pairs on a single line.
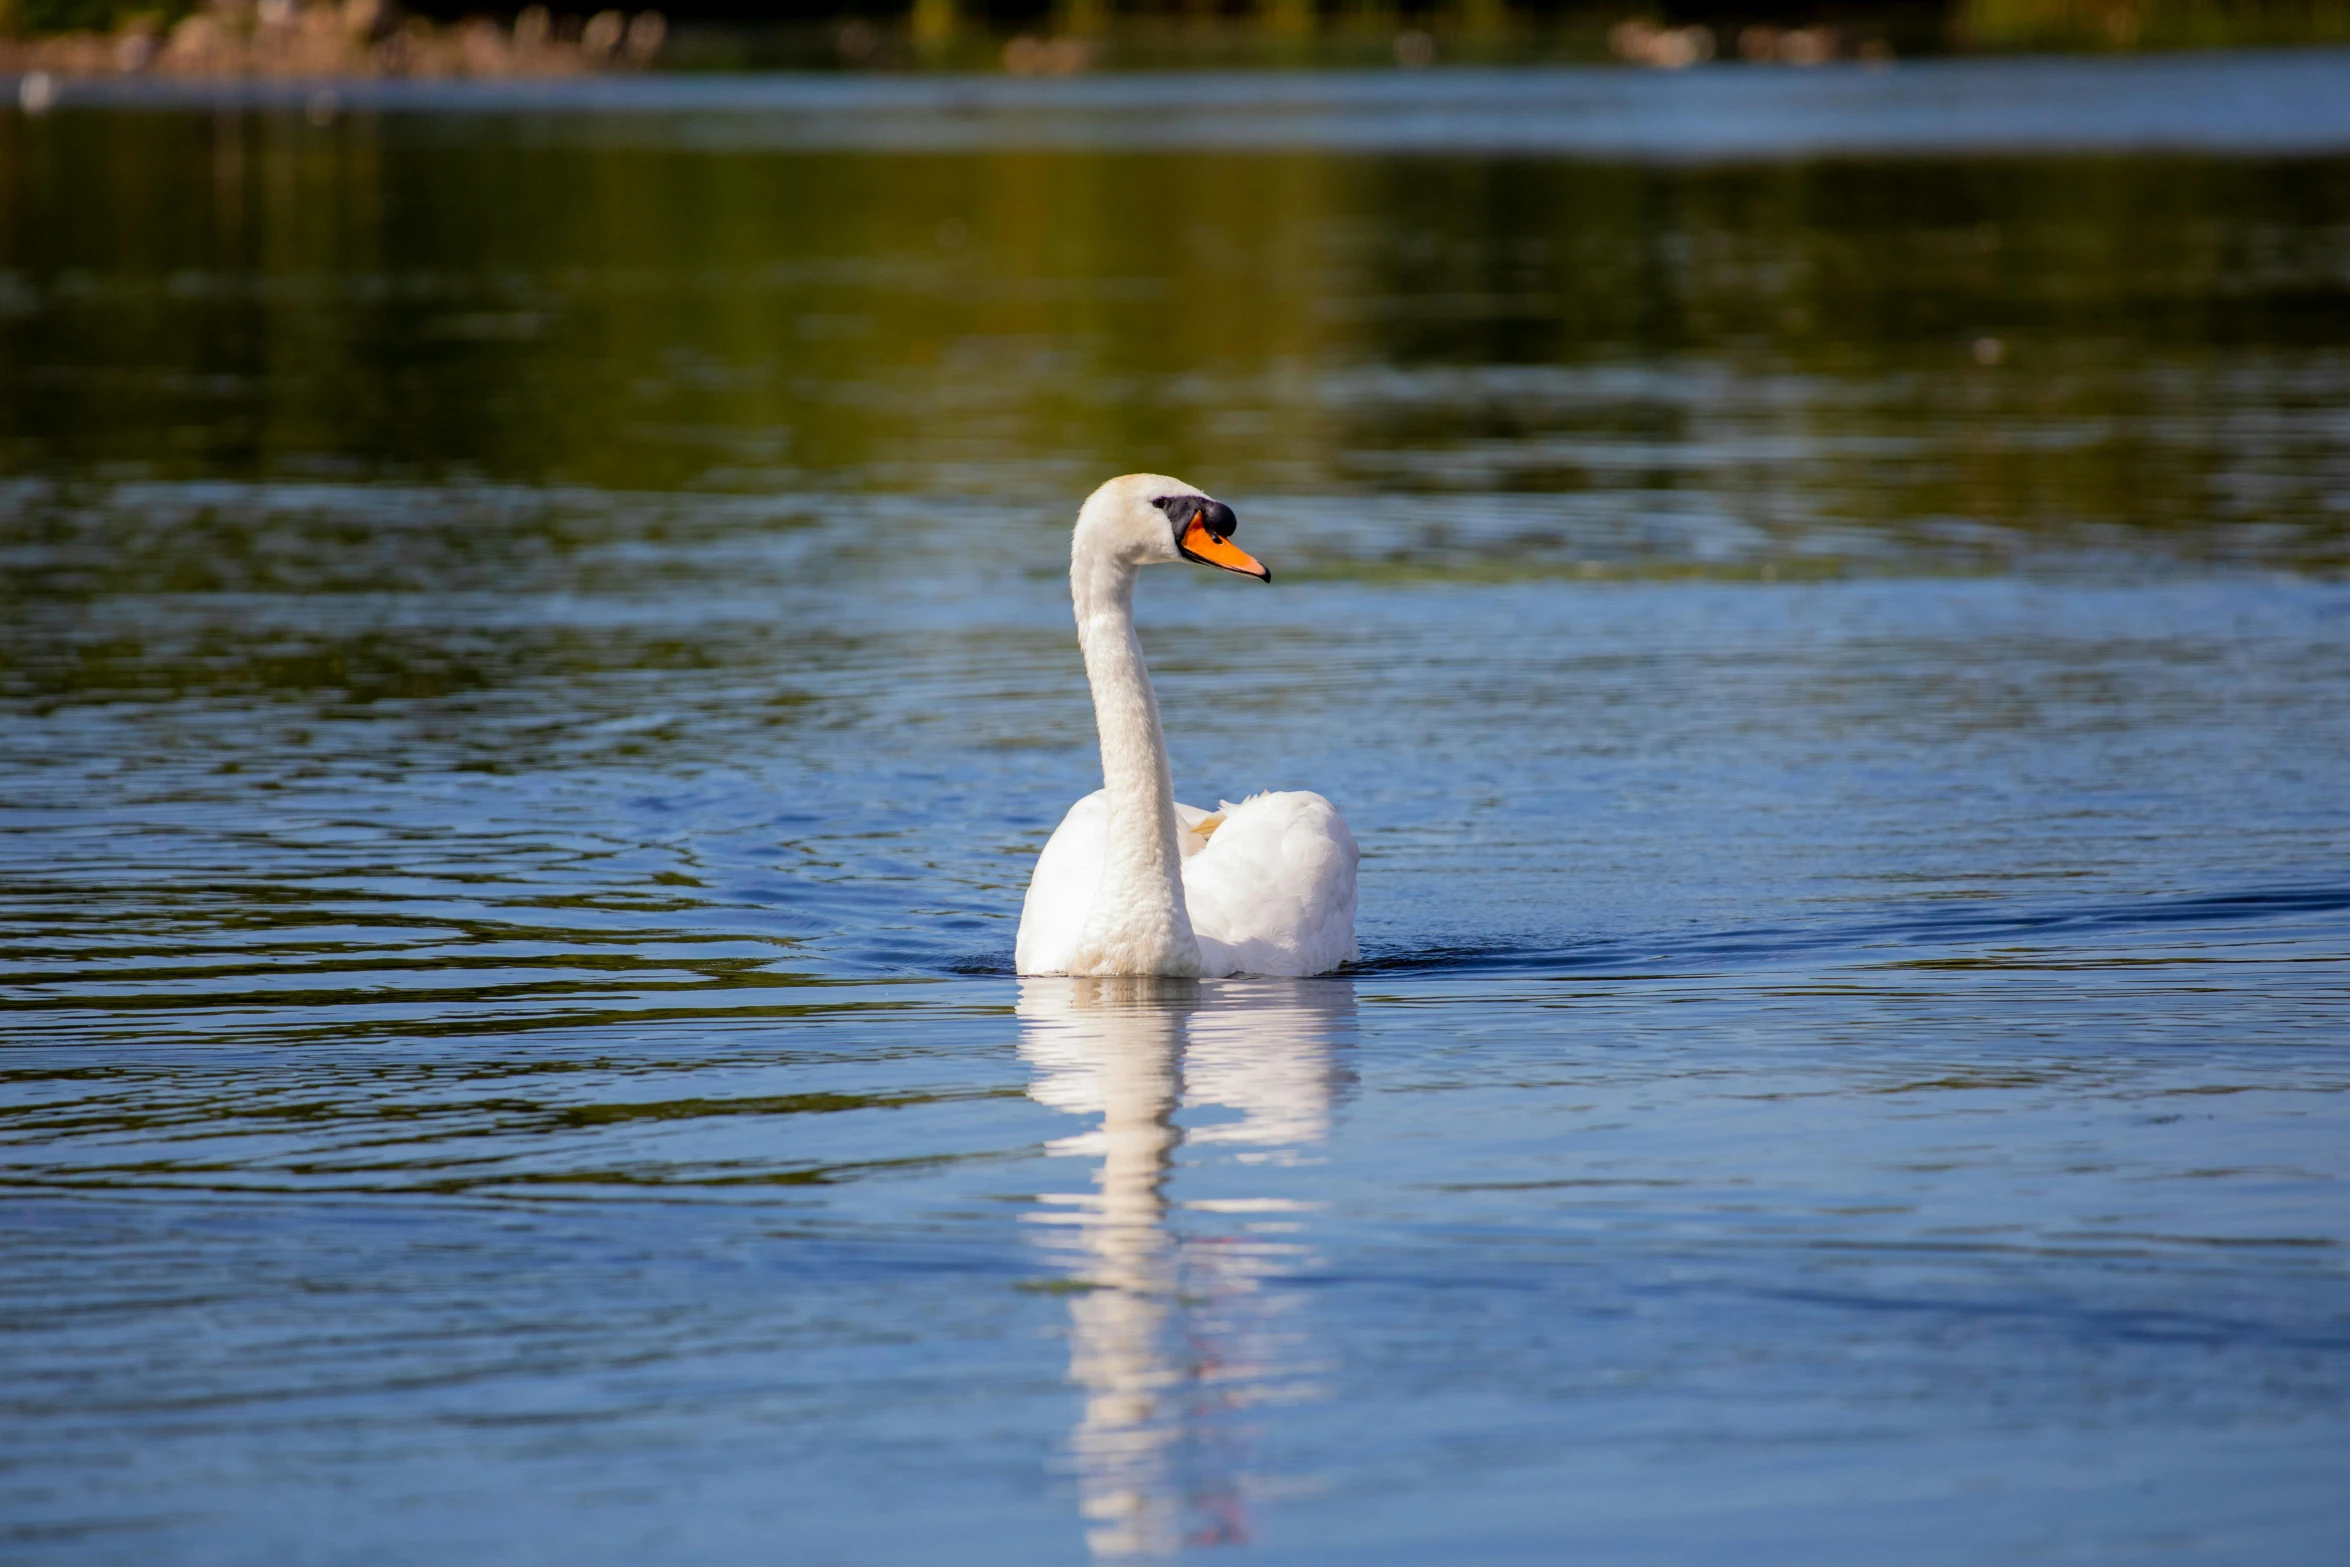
[[58, 16], [2007, 25], [969, 33], [37, 18]]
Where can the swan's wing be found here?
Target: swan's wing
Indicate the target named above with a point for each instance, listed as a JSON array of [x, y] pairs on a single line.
[[1274, 890], [1060, 890]]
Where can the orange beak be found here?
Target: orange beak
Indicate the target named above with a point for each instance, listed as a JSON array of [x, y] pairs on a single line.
[[1201, 545]]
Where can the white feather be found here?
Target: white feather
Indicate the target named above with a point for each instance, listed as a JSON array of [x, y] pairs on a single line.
[[1271, 892]]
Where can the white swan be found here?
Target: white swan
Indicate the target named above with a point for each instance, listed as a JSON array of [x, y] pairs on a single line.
[[1131, 882]]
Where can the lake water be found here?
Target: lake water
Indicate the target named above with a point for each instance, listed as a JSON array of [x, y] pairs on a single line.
[[535, 660]]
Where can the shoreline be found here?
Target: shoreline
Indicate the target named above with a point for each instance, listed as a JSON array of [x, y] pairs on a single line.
[[343, 44], [331, 43]]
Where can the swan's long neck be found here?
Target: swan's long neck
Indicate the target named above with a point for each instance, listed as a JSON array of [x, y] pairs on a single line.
[[1138, 923]]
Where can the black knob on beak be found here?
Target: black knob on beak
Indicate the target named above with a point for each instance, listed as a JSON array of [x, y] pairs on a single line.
[[1184, 510]]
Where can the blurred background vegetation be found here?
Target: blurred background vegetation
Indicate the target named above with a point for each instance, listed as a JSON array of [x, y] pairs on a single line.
[[1064, 36]]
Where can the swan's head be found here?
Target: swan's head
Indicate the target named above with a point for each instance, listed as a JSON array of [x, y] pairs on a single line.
[[1148, 519]]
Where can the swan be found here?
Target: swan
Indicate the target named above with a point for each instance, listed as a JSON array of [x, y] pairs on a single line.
[[1132, 882]]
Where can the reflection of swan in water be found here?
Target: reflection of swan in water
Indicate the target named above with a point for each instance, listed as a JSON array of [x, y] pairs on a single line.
[[1180, 1318]]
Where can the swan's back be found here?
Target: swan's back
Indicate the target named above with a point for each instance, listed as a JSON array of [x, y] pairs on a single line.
[[1273, 892]]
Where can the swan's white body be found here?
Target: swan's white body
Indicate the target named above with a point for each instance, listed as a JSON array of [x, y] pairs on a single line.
[[1273, 892], [1132, 882]]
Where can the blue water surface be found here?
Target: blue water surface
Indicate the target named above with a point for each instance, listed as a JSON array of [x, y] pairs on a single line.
[[534, 668]]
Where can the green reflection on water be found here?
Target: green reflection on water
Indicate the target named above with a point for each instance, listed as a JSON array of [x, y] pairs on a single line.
[[2011, 344]]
